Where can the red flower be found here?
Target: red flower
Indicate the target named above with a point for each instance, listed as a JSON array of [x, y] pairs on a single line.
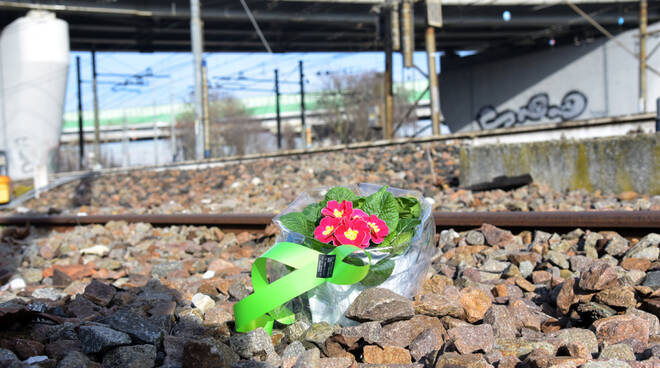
[[378, 229], [353, 232], [358, 213], [336, 210], [326, 230]]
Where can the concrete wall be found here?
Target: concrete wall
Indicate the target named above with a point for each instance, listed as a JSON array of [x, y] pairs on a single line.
[[565, 82], [613, 165]]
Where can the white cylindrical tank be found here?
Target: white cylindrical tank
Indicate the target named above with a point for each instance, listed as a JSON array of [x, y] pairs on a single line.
[[34, 64]]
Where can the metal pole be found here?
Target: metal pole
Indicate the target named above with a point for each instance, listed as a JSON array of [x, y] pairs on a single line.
[[642, 54], [172, 123], [97, 133], [197, 47], [124, 141], [657, 115], [408, 33], [81, 134], [389, 98], [433, 80], [277, 109], [303, 132], [155, 127], [207, 126]]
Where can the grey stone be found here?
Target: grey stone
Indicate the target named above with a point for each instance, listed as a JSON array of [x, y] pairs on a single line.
[[612, 363], [173, 347], [652, 280], [293, 350], [76, 359], [650, 241], [7, 355], [136, 326], [255, 344], [97, 339], [48, 293], [162, 269], [617, 245], [557, 258], [617, 351], [494, 266], [475, 237], [309, 359], [296, 330], [136, 356], [580, 263], [239, 290], [583, 336], [379, 304], [526, 268], [251, 364]]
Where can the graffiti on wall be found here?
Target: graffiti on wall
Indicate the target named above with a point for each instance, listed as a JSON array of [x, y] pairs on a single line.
[[538, 107]]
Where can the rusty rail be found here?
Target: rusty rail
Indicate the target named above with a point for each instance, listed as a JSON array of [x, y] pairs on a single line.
[[624, 221]]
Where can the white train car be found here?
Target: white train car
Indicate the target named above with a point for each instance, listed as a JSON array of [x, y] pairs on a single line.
[[34, 63]]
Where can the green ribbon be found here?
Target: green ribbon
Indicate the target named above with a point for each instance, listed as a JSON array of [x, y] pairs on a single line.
[[265, 305]]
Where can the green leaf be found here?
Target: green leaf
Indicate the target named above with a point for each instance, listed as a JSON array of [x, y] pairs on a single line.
[[297, 222], [384, 205], [392, 239], [409, 207], [402, 242], [340, 194], [379, 272], [312, 212]]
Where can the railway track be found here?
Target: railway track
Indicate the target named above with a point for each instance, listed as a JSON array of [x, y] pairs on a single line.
[[627, 223]]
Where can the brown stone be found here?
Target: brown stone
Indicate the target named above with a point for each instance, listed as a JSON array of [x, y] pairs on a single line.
[[541, 277], [623, 296], [452, 360], [436, 284], [28, 348], [475, 302], [468, 339], [599, 276], [496, 236], [525, 285], [500, 291], [99, 293], [577, 350], [373, 354], [566, 297], [426, 342], [438, 306], [402, 333], [517, 258], [612, 330], [641, 264]]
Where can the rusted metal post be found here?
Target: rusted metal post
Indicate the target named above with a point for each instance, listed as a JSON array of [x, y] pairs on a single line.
[[389, 97], [433, 80], [643, 19]]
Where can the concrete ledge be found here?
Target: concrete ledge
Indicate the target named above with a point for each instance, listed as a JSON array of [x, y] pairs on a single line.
[[612, 165]]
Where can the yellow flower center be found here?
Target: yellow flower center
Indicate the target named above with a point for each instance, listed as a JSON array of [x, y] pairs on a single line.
[[351, 234], [328, 230], [338, 213], [374, 227]]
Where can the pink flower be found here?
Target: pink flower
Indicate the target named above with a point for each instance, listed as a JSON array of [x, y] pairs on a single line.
[[378, 229], [353, 232], [336, 210], [326, 230], [358, 213]]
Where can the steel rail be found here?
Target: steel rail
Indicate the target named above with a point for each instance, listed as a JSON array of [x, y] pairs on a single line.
[[626, 221]]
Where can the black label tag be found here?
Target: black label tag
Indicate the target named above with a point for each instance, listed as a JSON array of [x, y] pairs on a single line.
[[326, 266]]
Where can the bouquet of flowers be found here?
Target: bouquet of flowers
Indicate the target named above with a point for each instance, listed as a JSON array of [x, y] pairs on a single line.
[[380, 236]]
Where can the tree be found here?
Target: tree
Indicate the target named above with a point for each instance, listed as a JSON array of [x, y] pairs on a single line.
[[232, 130], [354, 107]]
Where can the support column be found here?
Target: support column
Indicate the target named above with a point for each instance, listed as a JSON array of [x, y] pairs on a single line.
[[81, 133], [97, 133], [389, 97], [643, 19], [277, 109], [172, 123], [207, 123], [433, 80], [303, 131], [197, 47]]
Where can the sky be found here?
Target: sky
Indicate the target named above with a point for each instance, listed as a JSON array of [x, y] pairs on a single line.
[[117, 67]]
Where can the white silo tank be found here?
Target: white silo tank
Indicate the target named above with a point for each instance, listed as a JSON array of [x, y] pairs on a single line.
[[34, 64]]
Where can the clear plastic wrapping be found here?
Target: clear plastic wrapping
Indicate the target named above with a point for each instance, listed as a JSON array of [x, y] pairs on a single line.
[[329, 302]]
